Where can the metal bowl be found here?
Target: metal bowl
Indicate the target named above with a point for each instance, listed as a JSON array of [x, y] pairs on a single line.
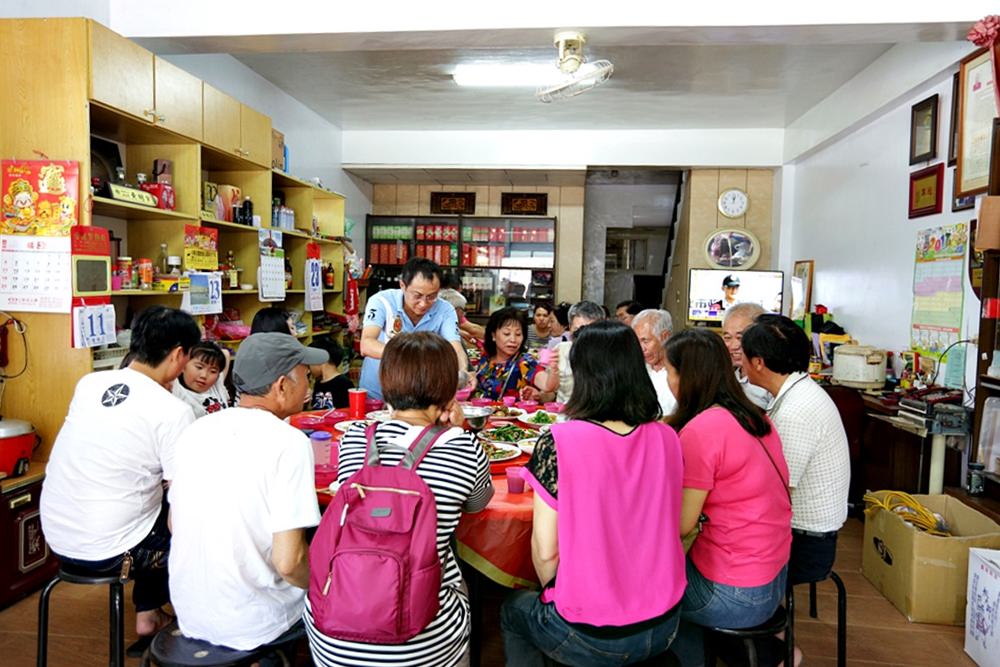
[[477, 415]]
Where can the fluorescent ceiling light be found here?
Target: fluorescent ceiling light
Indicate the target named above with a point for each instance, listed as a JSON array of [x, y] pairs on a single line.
[[512, 75]]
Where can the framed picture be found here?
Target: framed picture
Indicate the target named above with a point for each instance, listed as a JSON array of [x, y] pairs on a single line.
[[453, 203], [527, 203], [802, 284], [923, 130], [953, 127], [926, 190], [732, 249], [960, 203], [977, 108]]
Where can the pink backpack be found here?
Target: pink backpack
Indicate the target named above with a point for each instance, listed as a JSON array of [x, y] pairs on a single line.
[[374, 571]]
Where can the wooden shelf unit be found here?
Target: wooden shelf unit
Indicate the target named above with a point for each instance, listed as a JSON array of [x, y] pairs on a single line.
[[89, 81]]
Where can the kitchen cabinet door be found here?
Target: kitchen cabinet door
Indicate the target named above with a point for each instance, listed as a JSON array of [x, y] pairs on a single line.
[[121, 73], [221, 115], [178, 100], [255, 136]]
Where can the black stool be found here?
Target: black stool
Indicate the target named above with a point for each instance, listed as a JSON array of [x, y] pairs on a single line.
[[781, 621], [170, 648], [116, 607], [841, 614]]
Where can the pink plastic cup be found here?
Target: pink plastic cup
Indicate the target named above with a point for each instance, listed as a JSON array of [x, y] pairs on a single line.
[[528, 406], [463, 394], [509, 401], [480, 402], [545, 356], [515, 480], [553, 407]]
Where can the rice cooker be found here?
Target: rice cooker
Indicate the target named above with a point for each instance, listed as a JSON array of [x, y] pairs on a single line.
[[17, 440], [859, 366]]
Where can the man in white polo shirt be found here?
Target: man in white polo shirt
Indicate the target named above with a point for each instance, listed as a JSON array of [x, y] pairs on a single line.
[[413, 307], [653, 328], [776, 356], [102, 501]]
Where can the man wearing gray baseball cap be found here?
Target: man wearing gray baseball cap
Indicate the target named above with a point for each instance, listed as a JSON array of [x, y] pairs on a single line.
[[241, 501]]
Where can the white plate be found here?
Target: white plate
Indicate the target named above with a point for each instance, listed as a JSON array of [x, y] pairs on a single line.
[[527, 445], [527, 419], [504, 451], [347, 423], [380, 415]]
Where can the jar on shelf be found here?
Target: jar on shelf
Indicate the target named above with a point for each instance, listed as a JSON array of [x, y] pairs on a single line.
[[145, 273]]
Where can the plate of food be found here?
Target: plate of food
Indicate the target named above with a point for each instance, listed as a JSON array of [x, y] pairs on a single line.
[[539, 419], [380, 415], [508, 433], [501, 451], [505, 412], [347, 423], [527, 445]]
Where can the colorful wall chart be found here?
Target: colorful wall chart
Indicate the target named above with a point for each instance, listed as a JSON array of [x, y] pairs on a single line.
[[938, 276]]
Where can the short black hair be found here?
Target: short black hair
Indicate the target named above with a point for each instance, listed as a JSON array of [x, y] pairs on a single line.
[[331, 347], [269, 320], [561, 314], [209, 352], [496, 321], [157, 330], [603, 389], [702, 361], [545, 305], [780, 342], [421, 266], [450, 280], [631, 307]]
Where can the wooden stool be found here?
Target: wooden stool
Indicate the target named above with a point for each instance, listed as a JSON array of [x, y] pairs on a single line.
[[170, 648], [841, 615], [781, 621], [116, 605]]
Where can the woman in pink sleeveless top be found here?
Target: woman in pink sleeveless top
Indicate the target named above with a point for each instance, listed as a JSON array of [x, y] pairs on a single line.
[[606, 537], [735, 488]]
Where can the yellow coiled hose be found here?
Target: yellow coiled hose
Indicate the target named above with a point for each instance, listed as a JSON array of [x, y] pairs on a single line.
[[907, 508]]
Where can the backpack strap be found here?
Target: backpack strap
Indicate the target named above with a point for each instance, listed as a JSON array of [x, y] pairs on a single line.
[[422, 445], [371, 449]]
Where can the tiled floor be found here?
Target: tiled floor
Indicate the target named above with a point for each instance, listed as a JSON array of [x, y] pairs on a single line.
[[877, 634]]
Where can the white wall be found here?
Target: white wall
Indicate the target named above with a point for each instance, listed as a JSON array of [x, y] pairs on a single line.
[[99, 10], [566, 149], [314, 144], [847, 209]]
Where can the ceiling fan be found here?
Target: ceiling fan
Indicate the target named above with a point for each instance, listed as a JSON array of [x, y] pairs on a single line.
[[580, 75]]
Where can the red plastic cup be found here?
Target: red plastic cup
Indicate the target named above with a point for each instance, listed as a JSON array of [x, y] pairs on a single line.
[[515, 480], [356, 401]]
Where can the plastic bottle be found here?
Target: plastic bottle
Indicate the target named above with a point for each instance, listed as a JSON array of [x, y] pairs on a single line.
[[145, 273], [321, 443], [163, 261]]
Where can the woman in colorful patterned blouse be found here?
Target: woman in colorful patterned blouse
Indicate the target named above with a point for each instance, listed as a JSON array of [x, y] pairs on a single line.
[[506, 368]]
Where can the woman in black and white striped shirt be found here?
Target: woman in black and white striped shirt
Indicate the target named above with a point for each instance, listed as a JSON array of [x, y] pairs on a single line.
[[419, 374]]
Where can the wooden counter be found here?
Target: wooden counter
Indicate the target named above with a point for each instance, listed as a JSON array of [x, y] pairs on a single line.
[[36, 471]]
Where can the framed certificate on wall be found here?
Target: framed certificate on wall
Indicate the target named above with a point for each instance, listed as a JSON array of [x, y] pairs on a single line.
[[977, 109]]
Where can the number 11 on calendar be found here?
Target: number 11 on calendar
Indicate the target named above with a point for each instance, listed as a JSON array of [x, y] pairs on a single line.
[[93, 325]]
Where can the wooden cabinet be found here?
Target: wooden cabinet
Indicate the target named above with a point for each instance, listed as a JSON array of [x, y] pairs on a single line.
[[121, 73], [177, 99], [235, 128], [128, 78]]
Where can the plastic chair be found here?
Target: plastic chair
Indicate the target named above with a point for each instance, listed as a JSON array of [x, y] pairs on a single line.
[[841, 614], [170, 648], [781, 621], [116, 607]]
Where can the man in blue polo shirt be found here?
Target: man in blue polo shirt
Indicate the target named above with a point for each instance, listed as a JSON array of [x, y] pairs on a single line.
[[412, 307]]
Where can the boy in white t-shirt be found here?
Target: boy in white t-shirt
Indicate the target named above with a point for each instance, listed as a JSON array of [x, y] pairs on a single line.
[[202, 385]]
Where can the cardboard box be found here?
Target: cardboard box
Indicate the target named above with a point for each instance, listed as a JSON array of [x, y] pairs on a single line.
[[925, 576], [277, 149], [982, 628]]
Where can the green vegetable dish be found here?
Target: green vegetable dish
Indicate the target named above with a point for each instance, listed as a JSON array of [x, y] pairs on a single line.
[[542, 418], [507, 433]]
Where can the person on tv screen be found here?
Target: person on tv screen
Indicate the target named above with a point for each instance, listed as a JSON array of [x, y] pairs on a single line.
[[730, 286]]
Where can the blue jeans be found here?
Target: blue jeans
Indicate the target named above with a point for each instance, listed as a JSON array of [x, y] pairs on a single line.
[[707, 603], [533, 630]]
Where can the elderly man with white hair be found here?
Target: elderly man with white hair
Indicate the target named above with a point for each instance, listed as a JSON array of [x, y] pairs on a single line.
[[735, 321], [580, 315], [653, 328]]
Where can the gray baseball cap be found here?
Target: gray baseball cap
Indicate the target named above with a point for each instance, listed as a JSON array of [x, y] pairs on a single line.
[[265, 357]]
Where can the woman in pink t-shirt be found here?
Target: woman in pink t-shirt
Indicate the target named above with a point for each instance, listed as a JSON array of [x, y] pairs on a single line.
[[735, 488], [605, 539]]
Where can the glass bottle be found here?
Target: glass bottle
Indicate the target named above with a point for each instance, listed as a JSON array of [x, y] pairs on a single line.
[[247, 212], [163, 261]]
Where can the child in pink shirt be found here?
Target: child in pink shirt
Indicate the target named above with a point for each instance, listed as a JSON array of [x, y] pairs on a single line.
[[735, 488]]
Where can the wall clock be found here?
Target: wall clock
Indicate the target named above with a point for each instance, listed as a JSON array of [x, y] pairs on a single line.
[[733, 203]]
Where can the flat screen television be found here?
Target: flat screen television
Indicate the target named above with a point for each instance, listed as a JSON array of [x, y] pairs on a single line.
[[710, 291]]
